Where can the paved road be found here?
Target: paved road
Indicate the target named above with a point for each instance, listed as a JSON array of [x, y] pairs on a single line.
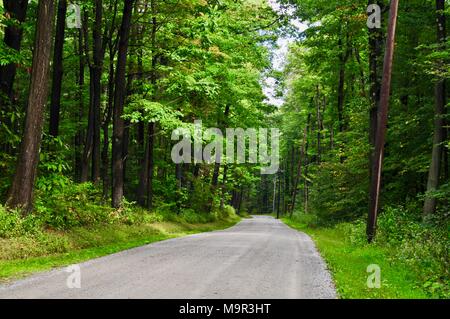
[[258, 258]]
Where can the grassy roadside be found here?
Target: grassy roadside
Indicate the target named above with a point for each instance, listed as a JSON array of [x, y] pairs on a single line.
[[348, 264], [18, 258]]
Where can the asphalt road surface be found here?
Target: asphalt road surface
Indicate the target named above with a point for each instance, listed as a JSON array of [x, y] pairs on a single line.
[[258, 258]]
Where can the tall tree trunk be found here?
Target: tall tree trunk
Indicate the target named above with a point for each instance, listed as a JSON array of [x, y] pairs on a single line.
[[151, 164], [92, 144], [299, 171], [221, 123], [58, 70], [152, 126], [97, 70], [105, 160], [17, 9], [224, 186], [142, 191], [178, 178], [280, 181], [107, 121], [112, 47], [439, 130], [119, 100], [21, 192], [288, 170], [343, 58], [306, 164], [240, 200], [375, 50], [88, 141], [319, 126], [80, 134], [285, 186], [147, 168], [382, 123]]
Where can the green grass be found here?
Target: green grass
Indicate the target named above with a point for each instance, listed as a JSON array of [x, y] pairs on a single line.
[[80, 244], [348, 264]]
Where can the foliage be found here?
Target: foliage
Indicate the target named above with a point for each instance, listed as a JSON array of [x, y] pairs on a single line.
[[208, 60], [21, 255], [415, 252]]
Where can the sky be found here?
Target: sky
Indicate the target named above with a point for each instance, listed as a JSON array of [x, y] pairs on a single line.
[[280, 55]]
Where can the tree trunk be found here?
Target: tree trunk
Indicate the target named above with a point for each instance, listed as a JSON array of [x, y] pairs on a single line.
[[145, 189], [280, 180], [299, 172], [88, 143], [97, 70], [375, 48], [92, 144], [105, 160], [107, 121], [80, 134], [119, 100], [306, 160], [151, 164], [382, 123], [21, 192], [58, 70], [224, 186], [88, 140], [439, 129], [17, 9], [319, 126], [146, 174], [343, 58], [143, 176], [240, 199]]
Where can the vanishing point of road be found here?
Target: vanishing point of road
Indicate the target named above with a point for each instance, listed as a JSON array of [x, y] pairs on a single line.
[[259, 258]]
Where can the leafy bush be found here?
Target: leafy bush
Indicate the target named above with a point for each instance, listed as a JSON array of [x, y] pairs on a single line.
[[12, 224], [70, 205], [228, 212], [73, 205], [191, 217], [423, 247], [202, 198]]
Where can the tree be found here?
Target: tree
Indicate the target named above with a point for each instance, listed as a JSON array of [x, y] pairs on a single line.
[[439, 122], [92, 145], [16, 9], [58, 70], [375, 51], [119, 100], [21, 192], [382, 123], [145, 189]]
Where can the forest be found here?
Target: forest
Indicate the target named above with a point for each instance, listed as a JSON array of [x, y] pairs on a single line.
[[91, 92]]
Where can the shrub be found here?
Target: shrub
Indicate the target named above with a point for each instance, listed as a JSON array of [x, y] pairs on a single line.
[[12, 224], [71, 206], [423, 247], [202, 198], [228, 211]]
